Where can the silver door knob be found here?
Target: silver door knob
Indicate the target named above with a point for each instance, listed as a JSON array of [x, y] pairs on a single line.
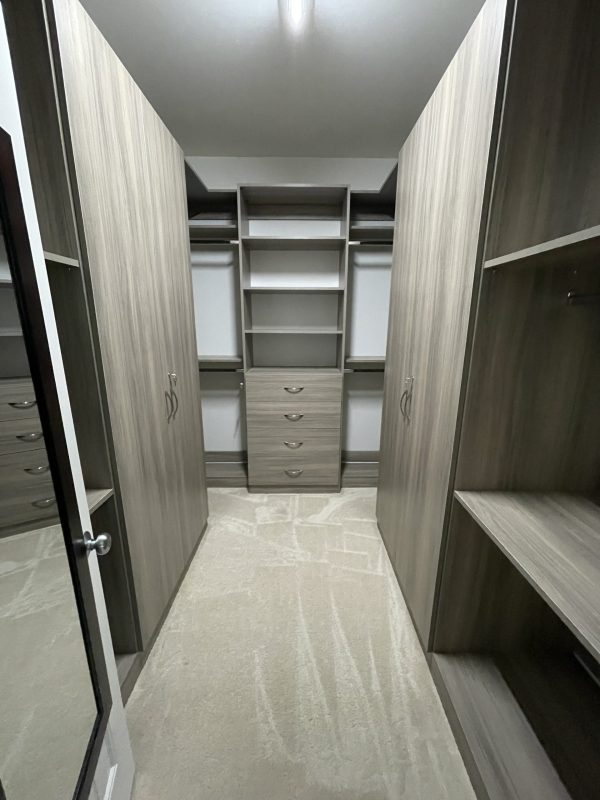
[[101, 544]]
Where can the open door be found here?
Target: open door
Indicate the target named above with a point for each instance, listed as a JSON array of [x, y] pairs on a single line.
[[62, 724]]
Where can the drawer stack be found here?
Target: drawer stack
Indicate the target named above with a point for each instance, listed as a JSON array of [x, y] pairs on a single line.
[[294, 428], [26, 489]]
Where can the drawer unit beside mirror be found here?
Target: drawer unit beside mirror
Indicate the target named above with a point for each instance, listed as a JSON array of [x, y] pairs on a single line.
[[294, 427]]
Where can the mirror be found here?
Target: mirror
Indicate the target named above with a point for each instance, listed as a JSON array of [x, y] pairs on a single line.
[[48, 708]]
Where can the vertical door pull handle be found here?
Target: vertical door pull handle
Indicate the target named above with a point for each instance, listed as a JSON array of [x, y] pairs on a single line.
[[403, 398]]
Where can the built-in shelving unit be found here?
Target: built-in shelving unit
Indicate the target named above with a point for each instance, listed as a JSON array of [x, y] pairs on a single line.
[[554, 542]]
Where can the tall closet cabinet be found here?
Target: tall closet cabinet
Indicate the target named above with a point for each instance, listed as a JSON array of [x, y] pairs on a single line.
[[490, 481], [109, 186]]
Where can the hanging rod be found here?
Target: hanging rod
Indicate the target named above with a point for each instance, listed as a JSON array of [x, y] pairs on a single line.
[[574, 299]]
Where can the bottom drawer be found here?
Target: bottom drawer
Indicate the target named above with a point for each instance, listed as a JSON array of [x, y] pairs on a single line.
[[292, 470]]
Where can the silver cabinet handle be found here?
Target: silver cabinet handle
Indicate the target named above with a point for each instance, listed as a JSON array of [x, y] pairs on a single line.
[[30, 437], [293, 445], [46, 502], [403, 398], [293, 417], [293, 473], [409, 396], [24, 404], [101, 544], [294, 389], [41, 470]]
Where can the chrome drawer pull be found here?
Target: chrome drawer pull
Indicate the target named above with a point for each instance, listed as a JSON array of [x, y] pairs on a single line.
[[293, 445], [24, 404], [45, 503], [294, 389], [41, 470], [293, 417], [293, 473], [30, 437]]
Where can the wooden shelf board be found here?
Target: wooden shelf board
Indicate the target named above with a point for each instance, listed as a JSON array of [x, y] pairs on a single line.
[[300, 331], [97, 497], [374, 363], [554, 542], [65, 261], [569, 251], [372, 232], [501, 750], [221, 363], [208, 231], [294, 243], [301, 289]]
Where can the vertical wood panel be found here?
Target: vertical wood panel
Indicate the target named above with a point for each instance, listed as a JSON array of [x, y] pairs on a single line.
[[442, 175], [129, 174]]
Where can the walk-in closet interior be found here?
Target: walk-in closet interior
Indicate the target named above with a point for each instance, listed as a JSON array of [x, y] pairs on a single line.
[[239, 389]]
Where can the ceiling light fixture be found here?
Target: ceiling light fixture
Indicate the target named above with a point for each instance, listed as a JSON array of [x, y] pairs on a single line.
[[297, 14]]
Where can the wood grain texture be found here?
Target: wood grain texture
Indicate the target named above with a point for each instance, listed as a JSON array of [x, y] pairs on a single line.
[[130, 196], [314, 387], [549, 160], [442, 174], [486, 605], [554, 542], [531, 419], [21, 435], [31, 62], [501, 751], [14, 392]]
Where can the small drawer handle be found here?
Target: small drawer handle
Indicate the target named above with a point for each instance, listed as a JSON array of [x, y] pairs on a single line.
[[41, 470], [293, 417], [293, 473], [294, 389], [24, 404], [30, 437], [293, 445], [45, 503]]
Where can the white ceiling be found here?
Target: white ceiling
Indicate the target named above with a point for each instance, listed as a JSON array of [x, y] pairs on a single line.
[[229, 79]]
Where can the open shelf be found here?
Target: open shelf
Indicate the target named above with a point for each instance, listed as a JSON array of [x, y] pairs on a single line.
[[301, 289], [569, 251], [375, 363], [554, 542], [505, 759], [301, 331], [376, 231], [210, 230], [65, 261], [294, 242], [97, 497], [220, 363]]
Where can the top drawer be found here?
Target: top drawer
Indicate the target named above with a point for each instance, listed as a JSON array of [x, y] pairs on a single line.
[[17, 399], [307, 386]]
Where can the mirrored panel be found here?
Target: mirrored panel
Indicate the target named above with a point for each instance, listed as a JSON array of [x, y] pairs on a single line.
[[48, 707]]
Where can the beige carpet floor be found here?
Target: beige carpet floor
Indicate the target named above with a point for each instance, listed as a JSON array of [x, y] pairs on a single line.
[[288, 668]]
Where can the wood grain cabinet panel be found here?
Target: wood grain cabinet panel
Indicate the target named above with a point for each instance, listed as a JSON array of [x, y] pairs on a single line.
[[17, 399], [128, 172], [442, 175]]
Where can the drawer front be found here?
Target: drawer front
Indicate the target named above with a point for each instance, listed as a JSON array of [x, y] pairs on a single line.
[[311, 445], [291, 471], [17, 510], [17, 400], [287, 419], [294, 385], [18, 435], [29, 468]]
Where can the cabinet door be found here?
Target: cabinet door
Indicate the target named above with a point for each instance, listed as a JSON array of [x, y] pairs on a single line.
[[441, 184], [127, 170]]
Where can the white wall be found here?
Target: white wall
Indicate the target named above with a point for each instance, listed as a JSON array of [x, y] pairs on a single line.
[[224, 173], [117, 748]]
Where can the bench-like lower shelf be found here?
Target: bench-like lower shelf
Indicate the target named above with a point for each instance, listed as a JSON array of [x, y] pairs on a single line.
[[554, 542], [502, 753]]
